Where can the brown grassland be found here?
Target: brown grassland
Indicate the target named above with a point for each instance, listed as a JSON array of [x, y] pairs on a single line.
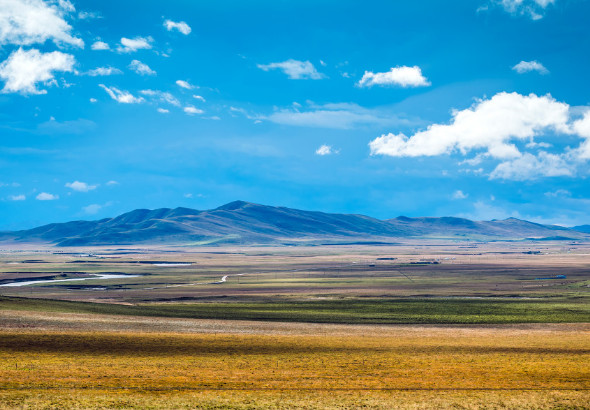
[[52, 356]]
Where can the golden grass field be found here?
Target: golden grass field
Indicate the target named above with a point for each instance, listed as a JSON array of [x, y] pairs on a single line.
[[230, 364]]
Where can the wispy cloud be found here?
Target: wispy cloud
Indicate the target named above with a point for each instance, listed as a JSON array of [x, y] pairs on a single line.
[[528, 66], [161, 96], [184, 84], [141, 68], [337, 116], [103, 71], [294, 69], [190, 110], [458, 194], [124, 97], [534, 9]]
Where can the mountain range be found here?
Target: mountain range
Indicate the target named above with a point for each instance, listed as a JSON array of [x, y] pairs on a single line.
[[247, 223]]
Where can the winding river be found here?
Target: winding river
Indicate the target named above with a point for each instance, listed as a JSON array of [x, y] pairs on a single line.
[[95, 277]]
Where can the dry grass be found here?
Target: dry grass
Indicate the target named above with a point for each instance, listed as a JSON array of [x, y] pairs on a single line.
[[354, 366]]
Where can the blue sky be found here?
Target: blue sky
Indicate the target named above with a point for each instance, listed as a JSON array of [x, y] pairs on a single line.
[[475, 108]]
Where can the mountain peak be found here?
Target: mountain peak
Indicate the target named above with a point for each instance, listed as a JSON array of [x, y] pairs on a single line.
[[233, 206]]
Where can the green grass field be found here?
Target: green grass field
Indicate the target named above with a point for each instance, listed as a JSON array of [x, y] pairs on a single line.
[[353, 311]]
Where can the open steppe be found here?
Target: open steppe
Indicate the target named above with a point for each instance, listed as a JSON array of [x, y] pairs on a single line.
[[462, 325]]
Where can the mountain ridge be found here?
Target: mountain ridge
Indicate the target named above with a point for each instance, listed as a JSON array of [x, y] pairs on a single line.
[[241, 222]]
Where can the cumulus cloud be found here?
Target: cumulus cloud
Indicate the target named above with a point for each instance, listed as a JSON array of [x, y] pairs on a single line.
[[92, 209], [325, 150], [80, 186], [44, 196], [162, 96], [489, 124], [26, 22], [190, 110], [17, 197], [124, 97], [23, 70], [141, 68], [103, 71], [163, 111], [528, 66], [184, 84], [402, 76], [130, 45], [181, 26], [529, 166], [494, 127], [100, 45], [294, 69]]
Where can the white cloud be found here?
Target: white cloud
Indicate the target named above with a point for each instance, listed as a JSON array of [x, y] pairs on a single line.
[[162, 96], [44, 196], [80, 186], [402, 76], [337, 116], [180, 26], [163, 111], [124, 97], [489, 124], [325, 150], [184, 84], [92, 209], [531, 8], [582, 128], [112, 183], [104, 71], [26, 22], [93, 100], [458, 194], [141, 68], [529, 166], [192, 110], [558, 193], [130, 45], [17, 197], [22, 70], [198, 97], [528, 66], [100, 45], [89, 15], [295, 69]]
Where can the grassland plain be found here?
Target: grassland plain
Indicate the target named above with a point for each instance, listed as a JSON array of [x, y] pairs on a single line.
[[328, 366], [372, 327]]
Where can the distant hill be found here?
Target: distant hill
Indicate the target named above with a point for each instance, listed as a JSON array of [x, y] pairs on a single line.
[[242, 222], [582, 228]]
